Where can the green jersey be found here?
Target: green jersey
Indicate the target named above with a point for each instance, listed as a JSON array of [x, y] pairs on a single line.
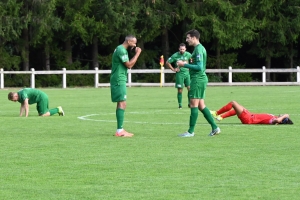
[[198, 65], [119, 70], [33, 95], [178, 56]]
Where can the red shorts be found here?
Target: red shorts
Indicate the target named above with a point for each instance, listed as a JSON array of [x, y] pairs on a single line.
[[249, 118]]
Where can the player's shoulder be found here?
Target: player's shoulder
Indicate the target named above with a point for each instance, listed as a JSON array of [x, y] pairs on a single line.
[[187, 53], [176, 54], [120, 48]]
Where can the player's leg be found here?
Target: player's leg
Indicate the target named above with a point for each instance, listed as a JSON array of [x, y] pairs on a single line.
[[224, 109], [205, 111], [53, 111], [187, 83], [119, 95], [237, 107], [42, 107], [179, 84], [194, 101], [227, 111], [179, 97]]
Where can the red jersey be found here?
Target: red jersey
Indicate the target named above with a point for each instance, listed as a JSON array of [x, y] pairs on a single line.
[[250, 118]]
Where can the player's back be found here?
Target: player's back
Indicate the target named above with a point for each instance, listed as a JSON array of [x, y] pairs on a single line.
[[33, 95], [119, 70], [262, 118]]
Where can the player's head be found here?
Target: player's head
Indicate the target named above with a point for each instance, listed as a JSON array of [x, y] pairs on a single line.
[[13, 96], [182, 48], [192, 37], [130, 40], [286, 120]]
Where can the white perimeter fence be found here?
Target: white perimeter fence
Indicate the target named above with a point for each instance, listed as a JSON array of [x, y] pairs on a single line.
[[161, 72]]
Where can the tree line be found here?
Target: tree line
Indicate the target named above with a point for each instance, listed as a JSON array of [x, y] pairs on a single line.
[[82, 34]]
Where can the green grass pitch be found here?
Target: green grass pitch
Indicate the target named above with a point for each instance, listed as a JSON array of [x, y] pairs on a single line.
[[77, 156]]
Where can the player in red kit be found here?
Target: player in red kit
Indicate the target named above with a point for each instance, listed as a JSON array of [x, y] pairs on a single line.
[[246, 117]]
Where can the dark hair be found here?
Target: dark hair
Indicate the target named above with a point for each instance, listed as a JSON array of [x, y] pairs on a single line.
[[182, 45], [194, 33], [286, 121]]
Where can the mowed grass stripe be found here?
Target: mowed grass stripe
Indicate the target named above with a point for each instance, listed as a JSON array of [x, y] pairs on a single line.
[[68, 158]]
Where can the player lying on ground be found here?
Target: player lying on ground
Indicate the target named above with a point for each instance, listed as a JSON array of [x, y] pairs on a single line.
[[246, 117]]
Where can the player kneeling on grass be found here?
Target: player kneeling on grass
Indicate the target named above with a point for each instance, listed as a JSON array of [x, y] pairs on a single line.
[[28, 96], [246, 117]]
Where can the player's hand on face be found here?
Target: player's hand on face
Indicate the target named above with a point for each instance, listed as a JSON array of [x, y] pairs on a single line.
[[138, 50]]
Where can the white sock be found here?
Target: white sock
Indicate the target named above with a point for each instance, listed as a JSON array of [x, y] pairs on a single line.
[[119, 130]]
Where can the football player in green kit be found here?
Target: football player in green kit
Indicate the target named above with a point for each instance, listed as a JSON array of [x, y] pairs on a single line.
[[28, 96], [198, 84], [118, 79], [182, 74]]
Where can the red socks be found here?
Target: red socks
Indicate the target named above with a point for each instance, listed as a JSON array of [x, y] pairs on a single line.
[[228, 114], [227, 110]]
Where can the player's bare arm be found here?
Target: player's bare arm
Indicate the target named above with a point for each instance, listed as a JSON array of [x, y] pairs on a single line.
[[279, 119], [22, 109], [170, 66], [26, 107], [129, 64]]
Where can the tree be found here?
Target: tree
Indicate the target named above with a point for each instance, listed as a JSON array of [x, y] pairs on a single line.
[[223, 24], [10, 30], [278, 29], [155, 20]]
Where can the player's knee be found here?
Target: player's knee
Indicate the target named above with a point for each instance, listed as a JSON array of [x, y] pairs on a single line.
[[233, 102]]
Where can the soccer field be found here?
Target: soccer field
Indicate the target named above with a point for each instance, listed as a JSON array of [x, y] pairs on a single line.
[[77, 156]]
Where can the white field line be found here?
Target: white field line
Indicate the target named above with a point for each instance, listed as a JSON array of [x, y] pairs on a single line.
[[88, 118]]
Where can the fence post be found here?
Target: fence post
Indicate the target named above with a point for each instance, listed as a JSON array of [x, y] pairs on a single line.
[[230, 75], [129, 77], [163, 77], [2, 78], [64, 83], [264, 74], [298, 74], [32, 78], [96, 77]]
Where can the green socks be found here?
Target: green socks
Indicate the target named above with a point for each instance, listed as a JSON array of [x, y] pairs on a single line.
[[179, 98], [53, 111], [193, 119], [120, 117], [209, 118]]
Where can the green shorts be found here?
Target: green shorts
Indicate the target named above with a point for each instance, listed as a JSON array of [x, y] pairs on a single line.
[[43, 105], [182, 80], [118, 93], [197, 90]]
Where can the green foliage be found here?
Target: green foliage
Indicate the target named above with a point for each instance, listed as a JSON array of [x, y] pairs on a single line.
[[9, 61], [11, 22], [226, 60], [223, 22], [278, 25], [105, 61], [17, 80], [272, 29], [214, 77]]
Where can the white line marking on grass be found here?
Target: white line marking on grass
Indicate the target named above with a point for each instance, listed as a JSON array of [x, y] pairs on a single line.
[[87, 118]]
